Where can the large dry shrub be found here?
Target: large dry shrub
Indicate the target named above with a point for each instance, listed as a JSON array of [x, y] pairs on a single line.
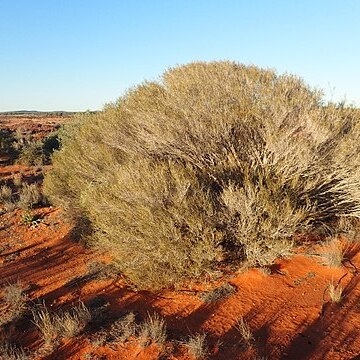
[[215, 162]]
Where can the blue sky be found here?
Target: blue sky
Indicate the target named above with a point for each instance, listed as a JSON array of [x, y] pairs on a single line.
[[81, 54]]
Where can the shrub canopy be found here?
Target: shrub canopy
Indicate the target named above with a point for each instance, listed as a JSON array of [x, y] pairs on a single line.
[[214, 163]]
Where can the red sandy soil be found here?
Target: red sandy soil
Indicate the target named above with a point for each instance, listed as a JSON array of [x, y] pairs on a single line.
[[288, 310], [32, 123]]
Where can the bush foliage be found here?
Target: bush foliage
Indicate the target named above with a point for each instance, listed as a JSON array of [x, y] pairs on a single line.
[[215, 162]]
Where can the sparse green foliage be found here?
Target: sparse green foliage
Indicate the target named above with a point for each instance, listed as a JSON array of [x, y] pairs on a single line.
[[29, 219], [49, 145], [31, 154], [216, 162], [7, 141]]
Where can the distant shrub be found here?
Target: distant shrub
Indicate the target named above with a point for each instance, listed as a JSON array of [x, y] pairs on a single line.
[[31, 154], [49, 145], [216, 162], [7, 140]]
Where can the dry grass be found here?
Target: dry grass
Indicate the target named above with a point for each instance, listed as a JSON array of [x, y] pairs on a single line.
[[244, 330], [5, 193], [68, 324], [123, 329], [18, 179], [152, 330], [15, 301], [196, 345], [334, 253], [335, 292], [215, 162], [30, 195], [10, 352]]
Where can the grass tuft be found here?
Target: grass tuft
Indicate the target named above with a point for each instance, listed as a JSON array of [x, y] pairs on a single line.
[[152, 330], [335, 292], [196, 345], [15, 300]]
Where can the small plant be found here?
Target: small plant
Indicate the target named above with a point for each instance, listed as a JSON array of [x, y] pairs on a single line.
[[15, 301], [30, 196], [335, 292], [7, 142], [221, 292], [30, 220], [244, 330], [153, 329], [196, 345], [101, 271]]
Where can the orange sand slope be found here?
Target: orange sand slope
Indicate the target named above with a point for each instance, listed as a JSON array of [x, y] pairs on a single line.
[[288, 311]]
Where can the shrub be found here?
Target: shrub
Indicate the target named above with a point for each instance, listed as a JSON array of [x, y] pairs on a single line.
[[50, 144], [218, 293], [216, 162], [31, 154], [333, 254]]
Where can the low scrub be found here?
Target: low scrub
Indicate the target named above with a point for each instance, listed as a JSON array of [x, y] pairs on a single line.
[[215, 163]]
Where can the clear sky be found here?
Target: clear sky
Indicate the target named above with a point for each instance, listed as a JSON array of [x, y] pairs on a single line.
[[81, 54]]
